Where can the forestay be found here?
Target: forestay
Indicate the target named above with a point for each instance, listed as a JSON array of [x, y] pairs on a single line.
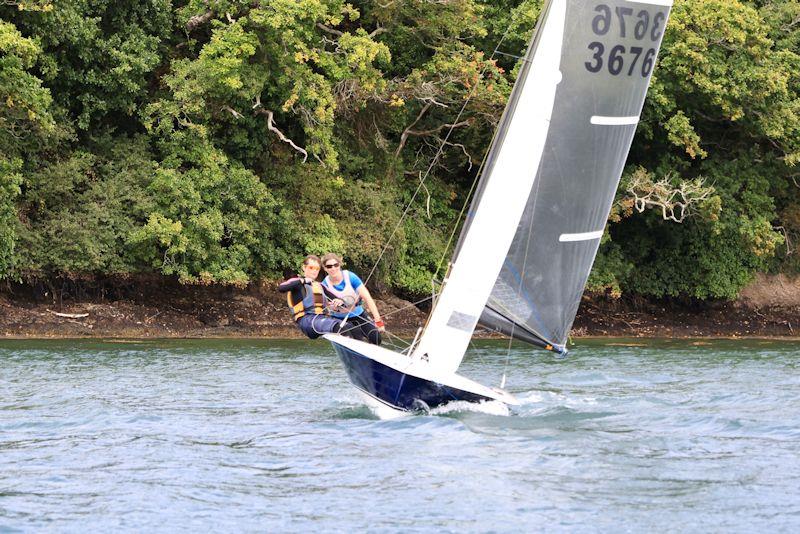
[[550, 179]]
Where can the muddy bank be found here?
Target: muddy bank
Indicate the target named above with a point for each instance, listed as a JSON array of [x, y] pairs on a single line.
[[159, 309], [154, 309]]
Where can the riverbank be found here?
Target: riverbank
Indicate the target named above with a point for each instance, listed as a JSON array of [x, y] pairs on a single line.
[[769, 307]]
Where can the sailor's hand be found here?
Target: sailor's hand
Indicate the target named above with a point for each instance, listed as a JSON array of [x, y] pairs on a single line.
[[337, 304], [380, 325]]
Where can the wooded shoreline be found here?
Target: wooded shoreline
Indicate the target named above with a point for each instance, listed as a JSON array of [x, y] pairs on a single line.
[[768, 307]]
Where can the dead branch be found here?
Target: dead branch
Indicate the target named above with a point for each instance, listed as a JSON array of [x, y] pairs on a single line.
[[783, 231], [463, 149], [676, 203], [439, 128], [271, 126], [405, 134], [418, 175], [232, 111], [379, 30], [329, 30], [69, 315]]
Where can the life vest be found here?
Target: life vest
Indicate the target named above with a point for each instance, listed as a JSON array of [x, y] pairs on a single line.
[[313, 301], [348, 295]]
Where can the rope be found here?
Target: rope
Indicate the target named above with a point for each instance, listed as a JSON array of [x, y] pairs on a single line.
[[410, 305]]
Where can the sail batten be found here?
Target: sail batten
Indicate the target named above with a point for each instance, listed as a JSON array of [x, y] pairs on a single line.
[[613, 121], [581, 236]]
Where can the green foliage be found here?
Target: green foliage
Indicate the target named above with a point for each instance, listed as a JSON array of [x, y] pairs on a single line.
[[213, 222], [10, 181], [97, 56], [704, 120], [77, 213], [611, 265], [220, 142], [715, 53], [25, 117], [276, 63]]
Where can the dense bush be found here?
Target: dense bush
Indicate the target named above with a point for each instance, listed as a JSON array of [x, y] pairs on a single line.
[[220, 142]]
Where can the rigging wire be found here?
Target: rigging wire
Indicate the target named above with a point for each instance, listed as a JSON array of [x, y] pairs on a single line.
[[519, 288], [433, 162], [467, 200], [399, 342]]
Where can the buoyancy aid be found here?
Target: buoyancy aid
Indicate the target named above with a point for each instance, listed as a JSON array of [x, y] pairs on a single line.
[[348, 295], [313, 301]]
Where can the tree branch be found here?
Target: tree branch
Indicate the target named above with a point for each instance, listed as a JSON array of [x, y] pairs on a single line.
[[439, 128], [198, 20], [328, 29], [271, 126], [379, 30], [676, 203], [405, 134], [232, 111]]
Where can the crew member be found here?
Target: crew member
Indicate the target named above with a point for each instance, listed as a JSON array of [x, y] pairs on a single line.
[[308, 301]]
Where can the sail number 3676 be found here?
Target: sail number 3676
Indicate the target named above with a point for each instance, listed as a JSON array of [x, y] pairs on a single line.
[[619, 59]]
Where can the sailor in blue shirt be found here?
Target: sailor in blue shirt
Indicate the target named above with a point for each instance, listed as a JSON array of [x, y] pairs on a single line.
[[349, 288]]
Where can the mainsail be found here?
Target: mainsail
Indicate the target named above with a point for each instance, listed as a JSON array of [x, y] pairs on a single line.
[[550, 178]]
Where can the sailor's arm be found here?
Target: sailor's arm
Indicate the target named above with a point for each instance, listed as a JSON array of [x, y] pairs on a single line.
[[290, 284], [294, 283], [335, 302], [363, 292]]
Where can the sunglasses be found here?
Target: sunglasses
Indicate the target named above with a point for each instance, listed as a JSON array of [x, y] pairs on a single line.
[[331, 265]]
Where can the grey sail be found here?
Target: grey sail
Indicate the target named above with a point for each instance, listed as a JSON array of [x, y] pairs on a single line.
[[607, 60]]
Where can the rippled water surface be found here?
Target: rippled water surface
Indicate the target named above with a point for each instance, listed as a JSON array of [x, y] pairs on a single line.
[[269, 436]]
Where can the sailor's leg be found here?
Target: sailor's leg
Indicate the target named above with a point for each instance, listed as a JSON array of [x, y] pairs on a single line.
[[352, 328], [323, 324], [367, 329], [306, 325]]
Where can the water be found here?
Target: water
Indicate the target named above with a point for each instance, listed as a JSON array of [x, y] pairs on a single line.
[[268, 436]]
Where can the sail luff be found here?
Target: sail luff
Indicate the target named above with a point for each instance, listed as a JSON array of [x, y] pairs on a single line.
[[515, 158]]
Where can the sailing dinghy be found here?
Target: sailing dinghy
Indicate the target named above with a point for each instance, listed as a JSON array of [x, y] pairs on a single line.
[[531, 236]]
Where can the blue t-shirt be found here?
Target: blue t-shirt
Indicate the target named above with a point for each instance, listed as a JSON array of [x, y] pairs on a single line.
[[356, 282]]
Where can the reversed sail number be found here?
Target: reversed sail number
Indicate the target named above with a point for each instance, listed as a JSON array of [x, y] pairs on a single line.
[[602, 22]]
